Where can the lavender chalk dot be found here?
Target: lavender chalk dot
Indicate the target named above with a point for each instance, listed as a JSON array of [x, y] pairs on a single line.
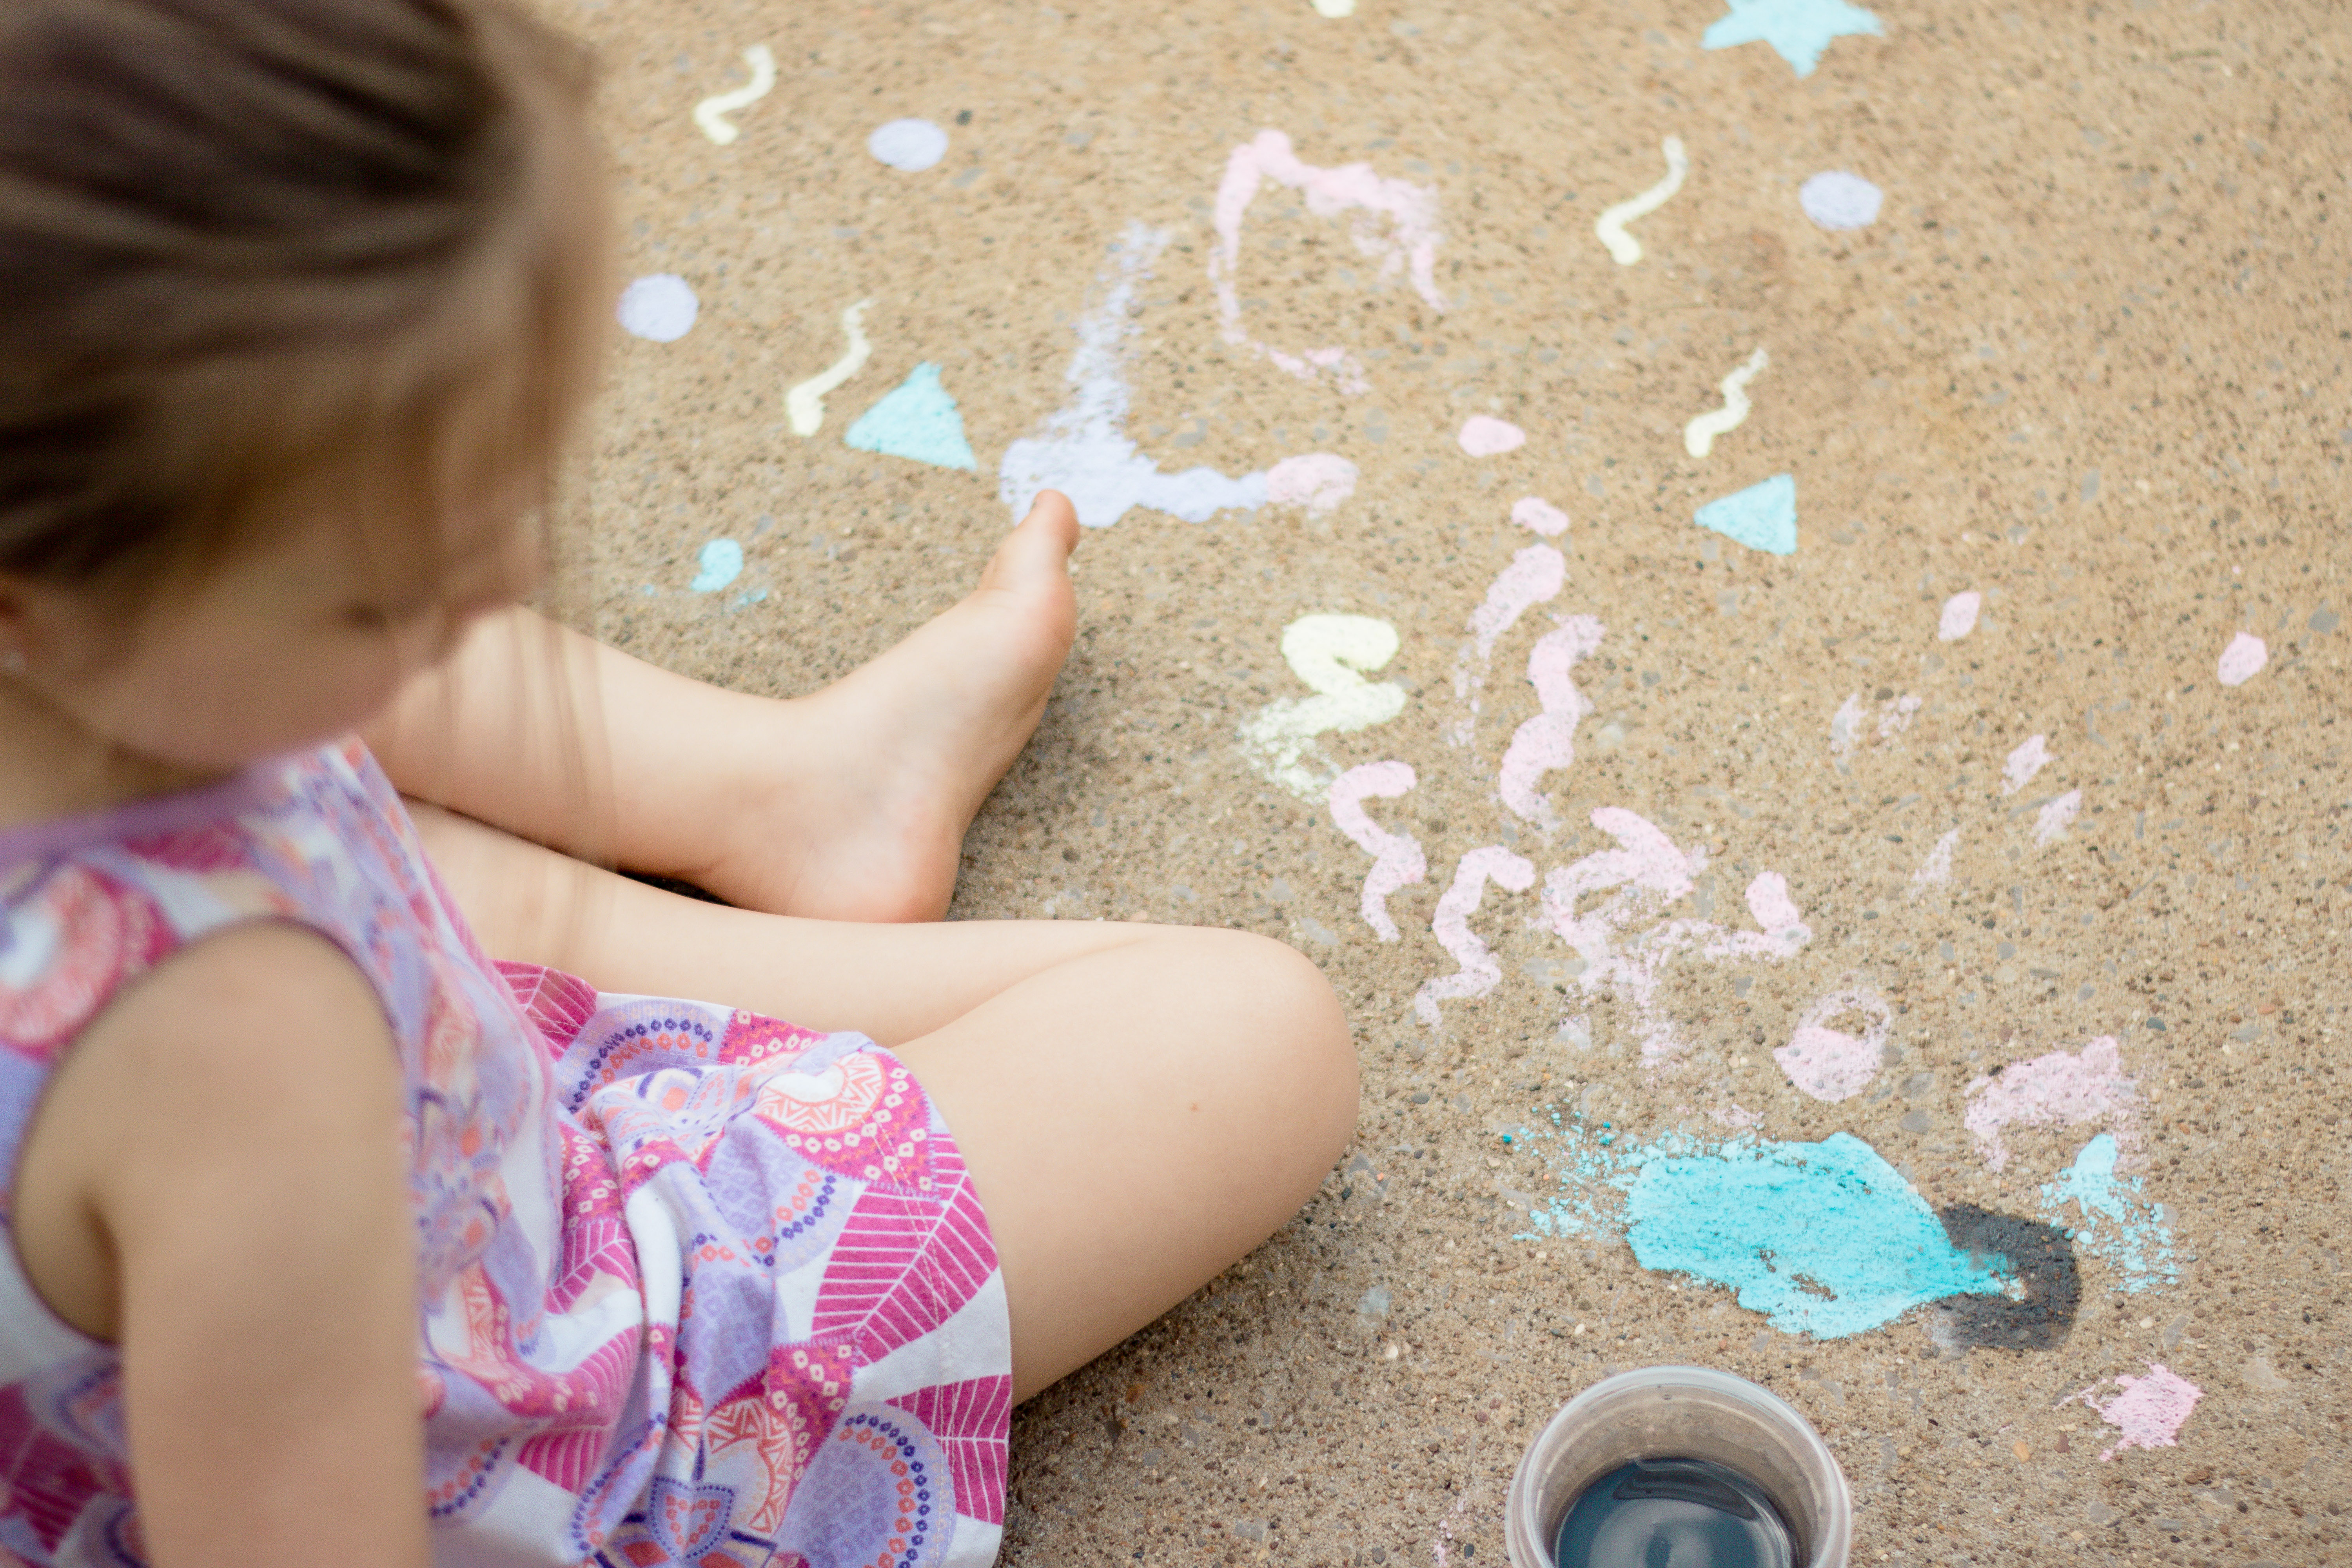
[[1837, 200], [661, 308], [912, 145]]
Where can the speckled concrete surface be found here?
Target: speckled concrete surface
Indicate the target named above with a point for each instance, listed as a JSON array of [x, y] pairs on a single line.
[[2088, 362]]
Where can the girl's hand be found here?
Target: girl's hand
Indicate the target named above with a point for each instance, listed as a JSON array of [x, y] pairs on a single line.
[[216, 1181]]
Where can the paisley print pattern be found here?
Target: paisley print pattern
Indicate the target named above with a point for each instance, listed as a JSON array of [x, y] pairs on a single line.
[[702, 1288]]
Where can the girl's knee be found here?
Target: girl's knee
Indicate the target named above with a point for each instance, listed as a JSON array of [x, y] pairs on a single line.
[[1298, 1038]]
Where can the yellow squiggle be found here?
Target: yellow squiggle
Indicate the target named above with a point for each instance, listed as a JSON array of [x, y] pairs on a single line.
[[804, 404], [711, 112], [1698, 435], [1611, 225]]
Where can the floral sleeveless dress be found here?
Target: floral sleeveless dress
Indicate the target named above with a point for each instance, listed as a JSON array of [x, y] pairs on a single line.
[[699, 1287]]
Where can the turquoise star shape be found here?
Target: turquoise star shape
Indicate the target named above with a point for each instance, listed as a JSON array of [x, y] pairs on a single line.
[[1798, 29]]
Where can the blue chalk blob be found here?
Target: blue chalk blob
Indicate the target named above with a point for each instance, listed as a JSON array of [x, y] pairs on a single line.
[[2114, 1221], [1761, 517], [721, 562], [1800, 29], [917, 419]]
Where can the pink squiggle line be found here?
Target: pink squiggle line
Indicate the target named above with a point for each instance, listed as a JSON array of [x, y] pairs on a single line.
[[1830, 1064], [1546, 743], [2056, 1091], [1479, 973], [1410, 246], [1397, 859], [1535, 576], [1645, 872]]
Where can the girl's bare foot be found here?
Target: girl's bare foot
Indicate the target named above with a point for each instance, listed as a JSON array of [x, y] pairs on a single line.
[[854, 801]]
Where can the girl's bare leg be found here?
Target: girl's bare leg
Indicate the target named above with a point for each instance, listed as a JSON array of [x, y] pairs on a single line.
[[1140, 1105], [848, 803]]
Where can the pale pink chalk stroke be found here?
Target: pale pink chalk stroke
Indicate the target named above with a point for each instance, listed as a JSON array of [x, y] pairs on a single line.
[[1535, 513], [1483, 435], [1830, 1064], [1535, 574], [1319, 481], [2024, 763], [1959, 616], [1479, 973], [1546, 743], [1936, 868], [2243, 659], [1409, 246], [2057, 817], [1397, 859], [2054, 1090], [1895, 717], [2148, 1411]]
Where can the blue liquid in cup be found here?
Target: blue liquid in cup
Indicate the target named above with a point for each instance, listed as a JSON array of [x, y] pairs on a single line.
[[1672, 1513]]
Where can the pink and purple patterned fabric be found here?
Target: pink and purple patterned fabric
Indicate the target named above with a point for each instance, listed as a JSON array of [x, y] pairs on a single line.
[[699, 1287]]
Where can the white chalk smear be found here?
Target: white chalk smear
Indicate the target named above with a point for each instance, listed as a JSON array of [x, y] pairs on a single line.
[[1959, 616], [660, 309], [1698, 435], [1319, 481], [1328, 654], [910, 146], [1546, 743], [712, 114], [1479, 973], [1895, 717], [2243, 659], [1397, 859], [1537, 513], [804, 404], [1611, 225], [2057, 817], [2024, 763], [1936, 868], [1830, 1064], [1836, 200], [1845, 725]]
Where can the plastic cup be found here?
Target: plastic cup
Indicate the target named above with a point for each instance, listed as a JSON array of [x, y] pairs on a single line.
[[1687, 1413]]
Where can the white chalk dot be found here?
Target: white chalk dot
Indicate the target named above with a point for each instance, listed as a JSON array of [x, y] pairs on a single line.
[[913, 145], [661, 308], [1483, 435], [1835, 200], [2243, 659]]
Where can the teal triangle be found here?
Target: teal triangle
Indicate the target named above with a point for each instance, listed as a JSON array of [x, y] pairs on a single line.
[[917, 420]]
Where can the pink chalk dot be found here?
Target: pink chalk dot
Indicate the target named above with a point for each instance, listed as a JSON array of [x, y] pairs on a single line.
[[1959, 616], [1483, 435], [1317, 481], [1534, 511], [2244, 658]]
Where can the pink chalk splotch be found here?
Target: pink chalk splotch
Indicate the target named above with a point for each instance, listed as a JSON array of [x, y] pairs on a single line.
[[2054, 1090], [2024, 763], [2243, 659], [2051, 824], [1479, 973], [1483, 435], [1397, 859], [1959, 616], [1319, 481], [2148, 1411], [1936, 868], [1830, 1064], [1546, 743], [1409, 246], [1537, 513], [1625, 947], [1731, 1113]]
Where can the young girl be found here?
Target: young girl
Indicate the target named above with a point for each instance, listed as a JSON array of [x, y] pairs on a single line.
[[333, 1240]]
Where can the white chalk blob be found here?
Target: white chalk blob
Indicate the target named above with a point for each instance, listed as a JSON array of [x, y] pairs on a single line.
[[1479, 973], [1845, 725], [1829, 1064], [1836, 200], [660, 308], [1327, 653], [1611, 225], [1397, 859], [1409, 246], [2243, 659], [2055, 817], [1319, 481], [1546, 743], [1483, 435], [2028, 760], [1959, 616], [1698, 435], [1936, 868], [712, 114], [910, 146], [1538, 514], [1895, 717], [804, 404]]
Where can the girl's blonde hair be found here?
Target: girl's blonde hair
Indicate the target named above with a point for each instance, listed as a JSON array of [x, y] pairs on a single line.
[[252, 248]]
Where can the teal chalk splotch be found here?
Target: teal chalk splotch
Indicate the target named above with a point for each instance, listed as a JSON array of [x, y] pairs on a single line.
[[2112, 1219], [1798, 29], [1762, 517], [917, 419], [720, 563]]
